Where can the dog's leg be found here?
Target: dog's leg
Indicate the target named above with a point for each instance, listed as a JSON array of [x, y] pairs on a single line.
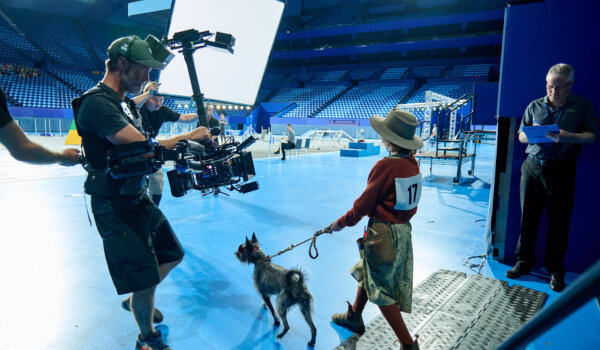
[[270, 306], [306, 312], [282, 308]]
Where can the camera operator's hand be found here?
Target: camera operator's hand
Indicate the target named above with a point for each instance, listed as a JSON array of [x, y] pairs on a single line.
[[152, 87], [69, 157], [201, 133]]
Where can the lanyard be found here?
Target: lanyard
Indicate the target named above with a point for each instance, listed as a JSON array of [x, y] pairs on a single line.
[[559, 114]]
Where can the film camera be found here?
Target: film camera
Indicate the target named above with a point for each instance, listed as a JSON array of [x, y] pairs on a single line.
[[198, 166], [208, 167]]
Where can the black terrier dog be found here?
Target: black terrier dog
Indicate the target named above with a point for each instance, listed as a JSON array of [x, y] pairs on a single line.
[[271, 279]]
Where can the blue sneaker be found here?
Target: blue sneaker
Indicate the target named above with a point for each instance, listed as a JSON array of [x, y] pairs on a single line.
[[152, 342]]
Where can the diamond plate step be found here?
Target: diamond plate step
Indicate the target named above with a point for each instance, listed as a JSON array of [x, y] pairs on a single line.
[[454, 311]]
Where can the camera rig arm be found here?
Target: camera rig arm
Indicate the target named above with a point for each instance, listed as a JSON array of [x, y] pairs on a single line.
[[189, 41]]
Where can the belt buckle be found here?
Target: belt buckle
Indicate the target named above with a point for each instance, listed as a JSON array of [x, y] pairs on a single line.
[[538, 161]]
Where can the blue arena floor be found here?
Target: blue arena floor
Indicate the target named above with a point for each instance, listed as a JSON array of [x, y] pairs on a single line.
[[57, 294]]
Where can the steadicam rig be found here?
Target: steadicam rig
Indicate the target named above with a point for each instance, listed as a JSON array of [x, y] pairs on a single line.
[[204, 167]]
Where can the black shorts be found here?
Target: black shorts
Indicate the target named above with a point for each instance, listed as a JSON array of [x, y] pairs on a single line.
[[136, 241]]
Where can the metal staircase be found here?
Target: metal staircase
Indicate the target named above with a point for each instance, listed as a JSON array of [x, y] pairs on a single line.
[[455, 142]]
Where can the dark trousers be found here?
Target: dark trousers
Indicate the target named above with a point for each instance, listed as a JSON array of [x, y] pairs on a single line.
[[286, 145], [552, 187]]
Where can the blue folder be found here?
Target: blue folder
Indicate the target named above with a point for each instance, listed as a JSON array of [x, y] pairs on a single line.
[[537, 134]]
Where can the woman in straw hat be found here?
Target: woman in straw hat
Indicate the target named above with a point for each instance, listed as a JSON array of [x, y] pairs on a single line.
[[384, 272]]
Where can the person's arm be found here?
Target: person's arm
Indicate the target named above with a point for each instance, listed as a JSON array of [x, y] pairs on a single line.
[[373, 193], [571, 137], [587, 133], [150, 90], [23, 149], [188, 117], [141, 99], [523, 138], [528, 120], [129, 134], [199, 134]]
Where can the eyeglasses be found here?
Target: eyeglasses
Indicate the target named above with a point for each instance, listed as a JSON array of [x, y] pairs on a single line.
[[557, 88]]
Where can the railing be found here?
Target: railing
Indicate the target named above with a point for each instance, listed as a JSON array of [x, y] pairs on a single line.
[[586, 287], [44, 126]]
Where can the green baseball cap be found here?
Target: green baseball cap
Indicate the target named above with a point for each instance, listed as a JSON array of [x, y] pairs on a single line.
[[150, 52]]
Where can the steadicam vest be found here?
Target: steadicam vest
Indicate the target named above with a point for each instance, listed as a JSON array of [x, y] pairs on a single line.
[[98, 181]]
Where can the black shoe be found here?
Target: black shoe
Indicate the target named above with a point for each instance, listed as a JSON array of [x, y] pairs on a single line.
[[518, 270], [152, 342], [283, 158], [557, 281], [157, 316], [276, 152]]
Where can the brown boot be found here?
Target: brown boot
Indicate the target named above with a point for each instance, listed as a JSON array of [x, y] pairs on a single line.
[[350, 320]]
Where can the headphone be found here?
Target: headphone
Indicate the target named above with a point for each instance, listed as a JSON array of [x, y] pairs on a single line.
[[125, 48]]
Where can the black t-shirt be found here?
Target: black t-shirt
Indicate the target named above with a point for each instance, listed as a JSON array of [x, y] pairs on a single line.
[[577, 115], [152, 121], [213, 123], [5, 117], [101, 114]]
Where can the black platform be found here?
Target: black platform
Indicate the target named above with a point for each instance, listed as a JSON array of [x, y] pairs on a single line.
[[454, 311]]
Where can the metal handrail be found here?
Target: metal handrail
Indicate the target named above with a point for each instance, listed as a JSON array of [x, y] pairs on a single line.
[[586, 287], [421, 129], [458, 99]]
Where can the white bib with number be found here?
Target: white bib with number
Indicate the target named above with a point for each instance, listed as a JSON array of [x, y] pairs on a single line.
[[408, 192]]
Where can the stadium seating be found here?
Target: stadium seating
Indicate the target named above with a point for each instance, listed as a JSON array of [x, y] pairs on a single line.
[[56, 35], [367, 99], [471, 70], [13, 47], [454, 89], [79, 80], [393, 73], [69, 51], [308, 99], [330, 76], [43, 91]]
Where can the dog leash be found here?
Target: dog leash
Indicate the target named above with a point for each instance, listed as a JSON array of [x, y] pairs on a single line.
[[313, 245]]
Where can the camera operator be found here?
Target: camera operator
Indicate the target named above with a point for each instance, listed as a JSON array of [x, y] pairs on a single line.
[[139, 243], [213, 123], [154, 115], [23, 149]]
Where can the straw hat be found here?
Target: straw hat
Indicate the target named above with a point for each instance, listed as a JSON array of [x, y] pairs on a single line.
[[398, 127]]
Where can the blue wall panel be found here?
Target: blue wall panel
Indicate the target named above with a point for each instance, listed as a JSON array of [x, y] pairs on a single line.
[[538, 36], [486, 97]]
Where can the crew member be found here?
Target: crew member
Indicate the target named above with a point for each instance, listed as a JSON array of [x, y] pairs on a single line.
[[223, 125], [154, 115], [139, 243], [287, 142], [548, 172]]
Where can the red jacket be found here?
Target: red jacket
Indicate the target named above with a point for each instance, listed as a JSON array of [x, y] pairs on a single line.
[[378, 199]]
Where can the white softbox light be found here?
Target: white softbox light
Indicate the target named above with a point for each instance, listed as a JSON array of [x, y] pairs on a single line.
[[224, 76]]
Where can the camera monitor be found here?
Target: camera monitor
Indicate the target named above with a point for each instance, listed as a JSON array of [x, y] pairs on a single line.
[[223, 76]]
